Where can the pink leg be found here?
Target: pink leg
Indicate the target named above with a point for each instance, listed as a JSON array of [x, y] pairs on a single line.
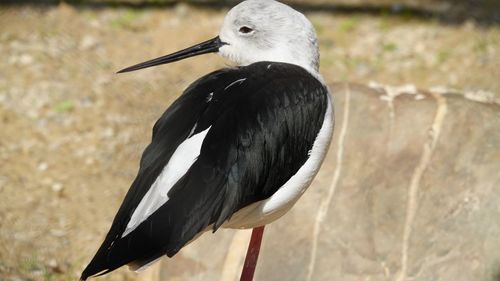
[[252, 254]]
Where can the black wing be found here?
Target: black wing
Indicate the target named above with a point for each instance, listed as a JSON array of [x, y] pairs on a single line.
[[264, 119]]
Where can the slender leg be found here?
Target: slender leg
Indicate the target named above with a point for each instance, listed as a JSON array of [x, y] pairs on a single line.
[[252, 254]]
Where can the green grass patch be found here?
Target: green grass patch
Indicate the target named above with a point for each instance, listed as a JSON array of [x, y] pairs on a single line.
[[127, 19], [320, 28], [385, 22], [389, 47], [481, 45], [64, 106], [443, 56], [30, 265], [349, 25]]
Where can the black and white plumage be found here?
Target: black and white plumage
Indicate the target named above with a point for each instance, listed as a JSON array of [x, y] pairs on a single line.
[[236, 150]]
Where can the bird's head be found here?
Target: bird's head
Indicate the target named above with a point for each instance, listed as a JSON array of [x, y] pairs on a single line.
[[263, 30], [253, 31]]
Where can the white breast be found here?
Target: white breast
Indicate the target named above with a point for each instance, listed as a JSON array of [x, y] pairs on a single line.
[[266, 211], [184, 156]]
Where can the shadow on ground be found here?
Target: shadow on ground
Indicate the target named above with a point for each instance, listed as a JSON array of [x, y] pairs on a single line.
[[485, 13]]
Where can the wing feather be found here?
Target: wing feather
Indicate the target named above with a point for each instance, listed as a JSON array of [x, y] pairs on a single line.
[[262, 130]]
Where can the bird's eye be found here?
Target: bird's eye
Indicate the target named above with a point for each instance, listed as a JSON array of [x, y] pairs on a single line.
[[245, 30]]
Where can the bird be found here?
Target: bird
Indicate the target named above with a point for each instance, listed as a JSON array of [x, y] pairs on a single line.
[[236, 149]]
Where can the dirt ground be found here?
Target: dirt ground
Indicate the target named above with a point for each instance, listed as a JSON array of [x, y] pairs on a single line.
[[72, 131]]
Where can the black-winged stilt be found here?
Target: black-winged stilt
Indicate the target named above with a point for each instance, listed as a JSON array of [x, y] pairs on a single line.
[[236, 149]]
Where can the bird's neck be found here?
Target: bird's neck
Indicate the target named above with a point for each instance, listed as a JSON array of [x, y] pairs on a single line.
[[309, 63]]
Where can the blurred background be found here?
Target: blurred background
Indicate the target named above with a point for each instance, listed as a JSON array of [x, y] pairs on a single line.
[[411, 186]]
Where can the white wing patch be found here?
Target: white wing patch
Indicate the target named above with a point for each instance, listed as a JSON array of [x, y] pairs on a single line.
[[182, 159]]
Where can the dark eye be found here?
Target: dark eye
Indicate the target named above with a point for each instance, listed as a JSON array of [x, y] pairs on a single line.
[[245, 29]]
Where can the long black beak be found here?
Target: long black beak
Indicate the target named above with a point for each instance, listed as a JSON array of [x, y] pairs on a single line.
[[210, 46]]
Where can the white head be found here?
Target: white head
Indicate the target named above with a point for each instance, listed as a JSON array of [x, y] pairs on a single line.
[[267, 30], [257, 30]]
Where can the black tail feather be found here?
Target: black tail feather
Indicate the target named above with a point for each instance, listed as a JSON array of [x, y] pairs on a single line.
[[157, 236]]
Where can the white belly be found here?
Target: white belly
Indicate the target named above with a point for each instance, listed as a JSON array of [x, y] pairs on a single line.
[[267, 211]]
